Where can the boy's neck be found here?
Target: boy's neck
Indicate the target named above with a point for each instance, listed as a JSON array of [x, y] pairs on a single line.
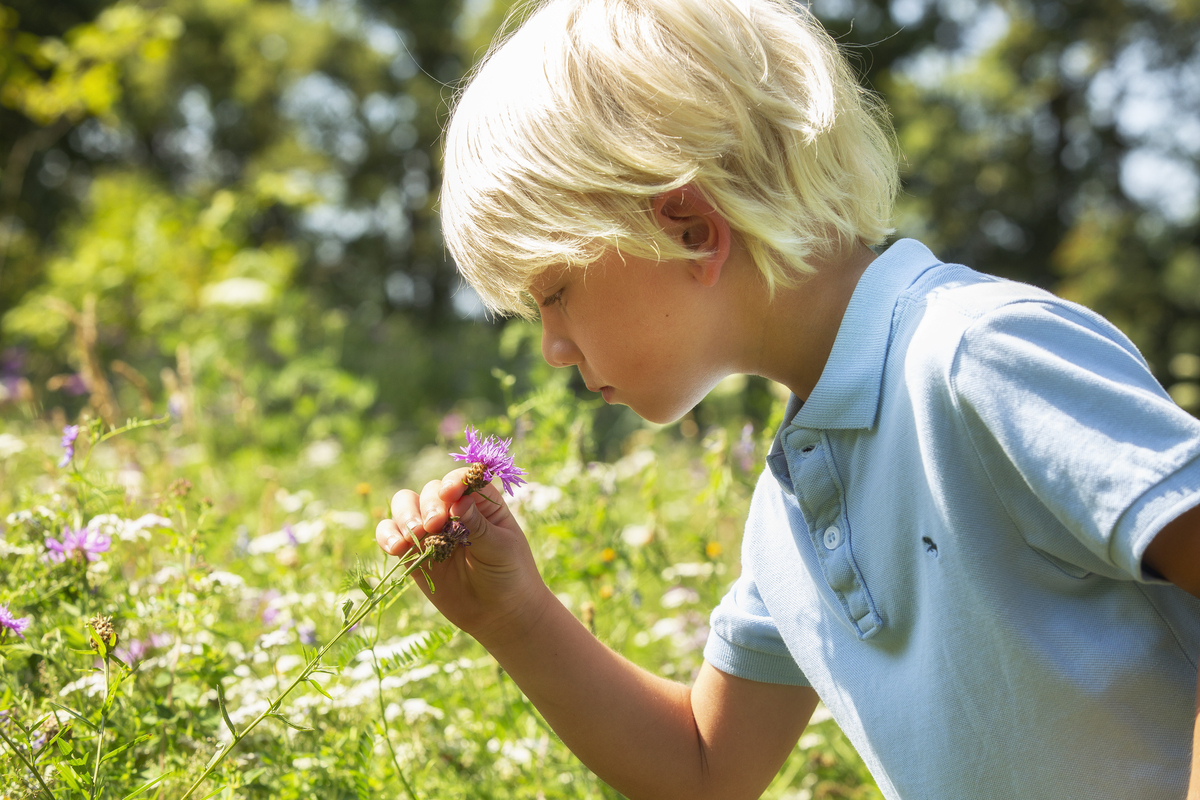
[[792, 334]]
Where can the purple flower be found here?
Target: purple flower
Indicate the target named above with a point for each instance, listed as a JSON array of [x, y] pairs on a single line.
[[82, 544], [492, 454], [450, 424], [70, 434], [307, 633], [75, 385], [8, 622], [135, 651]]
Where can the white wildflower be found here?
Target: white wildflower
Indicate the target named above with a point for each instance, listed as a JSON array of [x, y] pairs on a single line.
[[535, 497], [634, 463], [10, 445], [637, 535], [688, 570], [322, 453], [94, 684], [237, 293], [222, 578], [350, 520], [291, 503], [280, 638], [416, 707], [678, 596], [287, 662]]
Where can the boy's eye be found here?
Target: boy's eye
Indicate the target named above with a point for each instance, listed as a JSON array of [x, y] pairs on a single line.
[[550, 300]]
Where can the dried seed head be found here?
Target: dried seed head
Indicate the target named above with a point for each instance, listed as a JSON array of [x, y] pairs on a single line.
[[104, 631], [444, 541], [179, 487], [441, 546], [51, 727], [476, 477]]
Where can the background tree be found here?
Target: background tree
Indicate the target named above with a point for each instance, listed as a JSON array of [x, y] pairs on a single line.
[[245, 190]]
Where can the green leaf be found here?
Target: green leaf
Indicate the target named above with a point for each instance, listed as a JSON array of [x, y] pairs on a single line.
[[101, 647], [364, 757], [69, 775], [224, 712], [346, 608], [419, 650], [216, 756], [150, 785], [319, 688], [289, 723], [365, 585], [125, 746], [74, 714]]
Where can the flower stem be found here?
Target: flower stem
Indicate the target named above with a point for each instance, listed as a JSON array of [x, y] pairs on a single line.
[[28, 765], [103, 719], [383, 716], [366, 608]]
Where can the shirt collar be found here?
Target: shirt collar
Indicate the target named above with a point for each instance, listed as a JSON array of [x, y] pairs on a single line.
[[847, 395]]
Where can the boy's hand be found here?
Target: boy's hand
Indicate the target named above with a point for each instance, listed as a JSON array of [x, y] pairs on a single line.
[[491, 589]]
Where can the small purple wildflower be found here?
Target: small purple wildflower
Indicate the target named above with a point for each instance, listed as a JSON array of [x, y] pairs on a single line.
[[82, 544], [8, 622], [135, 651], [744, 448], [307, 633], [450, 424], [75, 385], [70, 434], [492, 454]]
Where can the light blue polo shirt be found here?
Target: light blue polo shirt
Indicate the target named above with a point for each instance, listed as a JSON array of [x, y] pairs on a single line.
[[947, 546]]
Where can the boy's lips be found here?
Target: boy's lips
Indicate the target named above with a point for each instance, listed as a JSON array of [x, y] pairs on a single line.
[[604, 391]]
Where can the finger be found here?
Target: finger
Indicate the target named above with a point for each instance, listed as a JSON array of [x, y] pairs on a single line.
[[468, 512], [435, 512], [390, 538], [453, 486], [406, 511]]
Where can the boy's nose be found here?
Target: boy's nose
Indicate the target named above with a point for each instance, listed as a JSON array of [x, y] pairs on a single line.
[[558, 350]]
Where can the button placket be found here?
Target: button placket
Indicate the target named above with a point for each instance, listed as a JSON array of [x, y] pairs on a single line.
[[822, 500]]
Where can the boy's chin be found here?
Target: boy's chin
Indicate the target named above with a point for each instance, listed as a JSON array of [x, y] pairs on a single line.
[[663, 416]]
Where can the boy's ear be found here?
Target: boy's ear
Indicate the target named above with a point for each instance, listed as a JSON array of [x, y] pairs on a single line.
[[693, 222]]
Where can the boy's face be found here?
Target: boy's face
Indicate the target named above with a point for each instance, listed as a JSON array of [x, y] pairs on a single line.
[[642, 333]]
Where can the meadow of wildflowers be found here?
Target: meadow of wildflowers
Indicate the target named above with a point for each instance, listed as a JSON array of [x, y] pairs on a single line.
[[177, 626]]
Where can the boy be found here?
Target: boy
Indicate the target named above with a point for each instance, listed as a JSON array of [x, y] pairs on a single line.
[[970, 522]]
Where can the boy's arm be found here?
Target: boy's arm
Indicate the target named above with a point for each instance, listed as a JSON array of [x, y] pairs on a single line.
[[1175, 555], [725, 737]]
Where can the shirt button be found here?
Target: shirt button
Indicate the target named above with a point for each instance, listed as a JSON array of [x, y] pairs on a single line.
[[833, 537]]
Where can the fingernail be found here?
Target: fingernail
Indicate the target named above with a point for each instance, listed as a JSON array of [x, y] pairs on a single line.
[[393, 542], [410, 526], [428, 517]]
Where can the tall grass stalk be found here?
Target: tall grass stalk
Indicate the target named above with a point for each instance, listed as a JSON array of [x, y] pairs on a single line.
[[351, 620]]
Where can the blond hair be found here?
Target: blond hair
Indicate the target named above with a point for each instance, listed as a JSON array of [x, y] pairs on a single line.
[[573, 124]]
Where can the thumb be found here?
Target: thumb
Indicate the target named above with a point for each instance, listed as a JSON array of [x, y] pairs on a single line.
[[469, 517]]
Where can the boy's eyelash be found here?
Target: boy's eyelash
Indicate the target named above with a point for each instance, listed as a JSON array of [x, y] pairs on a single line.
[[552, 299]]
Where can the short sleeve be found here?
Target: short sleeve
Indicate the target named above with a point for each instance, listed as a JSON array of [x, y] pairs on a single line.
[[744, 641], [1064, 398]]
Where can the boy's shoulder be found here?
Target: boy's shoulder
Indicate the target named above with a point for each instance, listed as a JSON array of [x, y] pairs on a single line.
[[952, 313]]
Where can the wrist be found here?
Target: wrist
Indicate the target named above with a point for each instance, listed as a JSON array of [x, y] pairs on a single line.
[[513, 630]]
